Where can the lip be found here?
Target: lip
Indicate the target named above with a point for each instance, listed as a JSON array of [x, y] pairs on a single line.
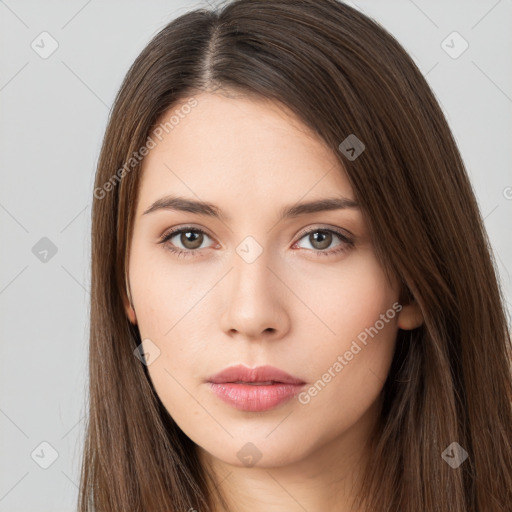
[[258, 374], [232, 385]]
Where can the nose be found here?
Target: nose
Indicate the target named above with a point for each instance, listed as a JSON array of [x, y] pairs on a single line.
[[256, 301]]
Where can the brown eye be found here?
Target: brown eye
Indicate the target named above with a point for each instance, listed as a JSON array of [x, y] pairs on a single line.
[[190, 239], [321, 239]]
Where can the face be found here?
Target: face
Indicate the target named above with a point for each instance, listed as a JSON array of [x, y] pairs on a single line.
[[303, 293]]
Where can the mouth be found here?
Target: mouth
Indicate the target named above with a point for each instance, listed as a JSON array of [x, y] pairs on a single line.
[[255, 390]]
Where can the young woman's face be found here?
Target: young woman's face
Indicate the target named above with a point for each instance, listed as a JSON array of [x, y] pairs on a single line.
[[302, 293]]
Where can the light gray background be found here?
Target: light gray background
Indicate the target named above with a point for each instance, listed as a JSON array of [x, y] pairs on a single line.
[[53, 116]]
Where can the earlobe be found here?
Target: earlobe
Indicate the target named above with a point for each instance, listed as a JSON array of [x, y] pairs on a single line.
[[127, 301], [410, 317], [131, 315], [129, 310]]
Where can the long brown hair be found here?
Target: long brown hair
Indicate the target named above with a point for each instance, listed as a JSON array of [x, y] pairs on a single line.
[[450, 380]]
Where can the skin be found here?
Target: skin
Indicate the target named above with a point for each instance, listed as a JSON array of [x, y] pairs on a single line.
[[288, 308]]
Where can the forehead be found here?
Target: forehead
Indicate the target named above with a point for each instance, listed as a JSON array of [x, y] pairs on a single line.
[[241, 147]]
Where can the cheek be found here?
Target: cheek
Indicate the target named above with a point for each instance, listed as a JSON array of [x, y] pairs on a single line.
[[168, 298], [350, 361], [165, 292], [346, 300], [348, 381]]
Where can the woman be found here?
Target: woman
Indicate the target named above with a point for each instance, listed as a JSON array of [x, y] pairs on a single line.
[[294, 303]]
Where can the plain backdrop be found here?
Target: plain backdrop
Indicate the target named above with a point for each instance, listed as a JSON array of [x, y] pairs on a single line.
[[54, 110]]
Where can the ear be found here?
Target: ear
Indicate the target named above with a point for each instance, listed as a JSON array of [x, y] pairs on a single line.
[[128, 307], [410, 316]]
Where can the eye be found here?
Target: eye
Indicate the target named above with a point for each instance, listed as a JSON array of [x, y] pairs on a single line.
[[190, 238], [321, 239]]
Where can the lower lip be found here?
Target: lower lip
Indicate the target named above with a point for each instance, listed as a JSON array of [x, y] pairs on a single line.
[[247, 397]]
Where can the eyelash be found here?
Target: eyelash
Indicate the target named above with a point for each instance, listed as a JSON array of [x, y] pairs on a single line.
[[182, 253]]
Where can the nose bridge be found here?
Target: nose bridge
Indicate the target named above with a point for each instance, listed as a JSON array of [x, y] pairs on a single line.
[[251, 272], [254, 302]]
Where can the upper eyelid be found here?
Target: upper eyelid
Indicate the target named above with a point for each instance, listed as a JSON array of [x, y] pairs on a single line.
[[306, 231]]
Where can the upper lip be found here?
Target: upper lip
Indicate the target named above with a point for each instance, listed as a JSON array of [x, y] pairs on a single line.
[[258, 374]]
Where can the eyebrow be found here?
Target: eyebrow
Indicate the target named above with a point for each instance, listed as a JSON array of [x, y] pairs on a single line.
[[208, 209]]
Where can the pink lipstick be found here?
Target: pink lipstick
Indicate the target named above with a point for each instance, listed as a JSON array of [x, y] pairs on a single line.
[[254, 389]]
